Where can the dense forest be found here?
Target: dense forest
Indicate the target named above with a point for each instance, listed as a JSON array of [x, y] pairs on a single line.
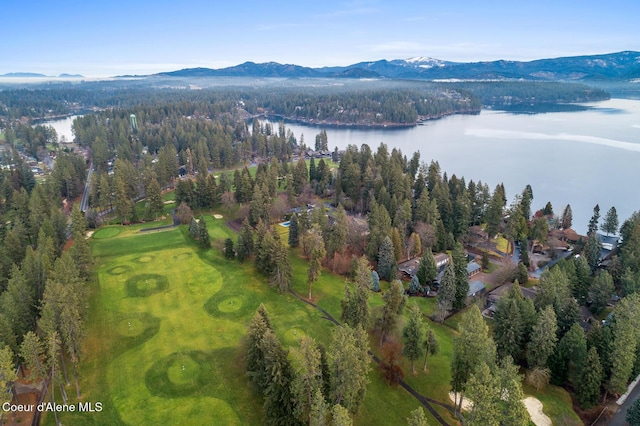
[[378, 102], [411, 210]]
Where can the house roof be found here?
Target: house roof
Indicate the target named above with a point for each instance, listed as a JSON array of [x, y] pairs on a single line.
[[475, 287], [441, 257], [609, 242], [409, 267], [472, 267]]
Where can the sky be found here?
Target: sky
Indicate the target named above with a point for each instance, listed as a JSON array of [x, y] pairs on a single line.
[[115, 37]]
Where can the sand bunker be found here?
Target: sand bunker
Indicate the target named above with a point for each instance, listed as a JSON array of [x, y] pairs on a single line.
[[217, 216], [466, 404], [534, 407]]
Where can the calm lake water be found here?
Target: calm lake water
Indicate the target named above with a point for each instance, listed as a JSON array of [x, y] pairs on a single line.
[[581, 158]]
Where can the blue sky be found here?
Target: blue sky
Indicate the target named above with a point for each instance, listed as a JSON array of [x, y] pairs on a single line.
[[117, 37]]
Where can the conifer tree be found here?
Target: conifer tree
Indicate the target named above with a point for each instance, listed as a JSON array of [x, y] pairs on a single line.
[[417, 418], [294, 232], [446, 292], [394, 301], [458, 258], [386, 260], [307, 379], [543, 339], [471, 348], [317, 252], [349, 361], [245, 246], [204, 240], [431, 346], [278, 397], [375, 281], [229, 252], [412, 335], [427, 270], [590, 380]]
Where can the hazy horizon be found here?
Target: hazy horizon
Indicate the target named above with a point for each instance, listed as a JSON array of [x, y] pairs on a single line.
[[143, 37]]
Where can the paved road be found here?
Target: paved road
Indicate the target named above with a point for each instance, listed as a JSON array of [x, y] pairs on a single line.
[[619, 418], [84, 204]]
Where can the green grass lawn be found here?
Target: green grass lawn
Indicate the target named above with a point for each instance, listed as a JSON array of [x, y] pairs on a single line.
[[165, 333]]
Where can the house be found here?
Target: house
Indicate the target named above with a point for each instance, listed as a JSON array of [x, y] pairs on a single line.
[[495, 295], [409, 268], [476, 288], [441, 259], [473, 269], [608, 244], [586, 319]]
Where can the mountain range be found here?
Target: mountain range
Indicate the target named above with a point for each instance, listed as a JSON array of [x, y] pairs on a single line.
[[36, 75], [613, 66]]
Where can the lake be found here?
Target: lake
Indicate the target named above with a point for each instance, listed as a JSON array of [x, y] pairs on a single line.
[[581, 158]]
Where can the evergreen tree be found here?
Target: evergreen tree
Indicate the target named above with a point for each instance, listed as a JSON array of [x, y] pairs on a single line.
[[446, 292], [194, 231], [264, 248], [317, 252], [417, 418], [7, 375], [414, 285], [340, 416], [78, 222], [278, 397], [204, 240], [379, 229], [244, 246], [355, 307], [281, 273], [339, 231], [567, 218], [387, 267], [610, 224], [471, 348], [458, 259], [568, 359], [256, 367], [483, 390], [229, 252], [513, 410], [431, 346], [600, 291], [375, 281], [398, 246], [625, 341], [307, 379], [543, 339], [155, 205], [633, 414], [412, 336], [590, 380], [593, 222], [294, 236], [319, 410], [348, 366], [394, 301], [427, 270], [592, 251], [509, 327]]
